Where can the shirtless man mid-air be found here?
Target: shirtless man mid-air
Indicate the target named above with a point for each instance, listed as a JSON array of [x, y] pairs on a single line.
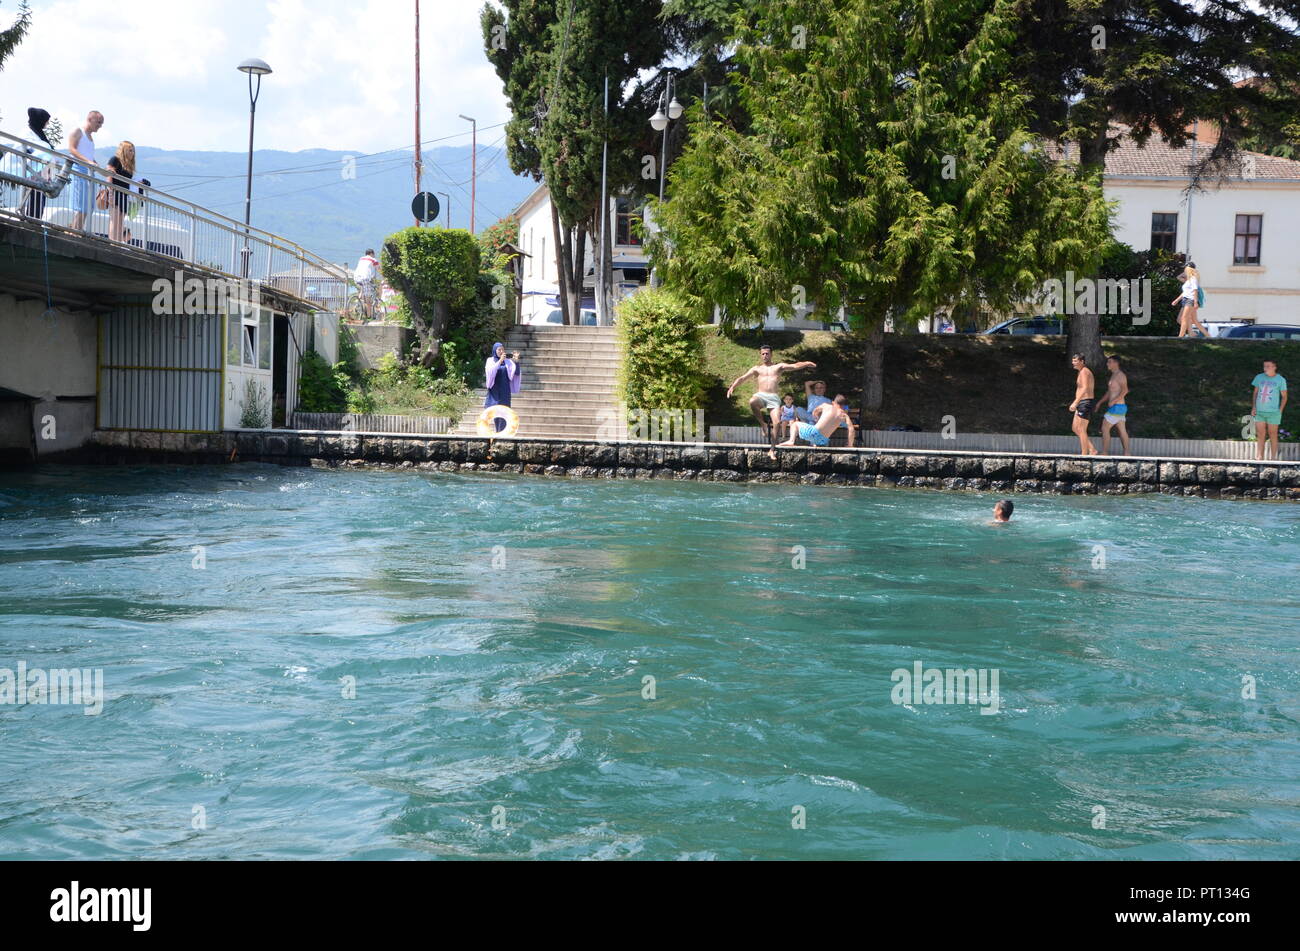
[[1083, 403], [766, 403]]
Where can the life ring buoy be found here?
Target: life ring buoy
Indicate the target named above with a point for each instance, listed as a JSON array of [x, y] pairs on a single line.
[[487, 422]]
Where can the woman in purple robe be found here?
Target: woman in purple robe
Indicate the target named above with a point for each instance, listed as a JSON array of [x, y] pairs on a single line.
[[502, 379]]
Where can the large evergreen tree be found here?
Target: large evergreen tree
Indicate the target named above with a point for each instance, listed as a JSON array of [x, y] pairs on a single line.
[[888, 168]]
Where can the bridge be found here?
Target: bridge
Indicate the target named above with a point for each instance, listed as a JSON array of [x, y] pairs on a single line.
[[150, 313]]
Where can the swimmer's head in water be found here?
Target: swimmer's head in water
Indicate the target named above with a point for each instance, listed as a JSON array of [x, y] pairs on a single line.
[[1002, 510]]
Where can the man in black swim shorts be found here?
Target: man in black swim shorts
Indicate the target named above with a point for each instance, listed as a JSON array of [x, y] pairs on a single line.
[[1083, 403]]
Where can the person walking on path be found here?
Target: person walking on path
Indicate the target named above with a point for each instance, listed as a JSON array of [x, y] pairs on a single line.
[[1116, 399], [1189, 302], [1084, 387], [1267, 403], [501, 378], [81, 146]]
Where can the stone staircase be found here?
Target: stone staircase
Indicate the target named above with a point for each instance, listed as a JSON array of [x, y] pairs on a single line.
[[570, 383]]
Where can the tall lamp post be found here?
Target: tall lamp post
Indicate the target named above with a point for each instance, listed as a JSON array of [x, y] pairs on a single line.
[[473, 175], [448, 197], [254, 68], [669, 110]]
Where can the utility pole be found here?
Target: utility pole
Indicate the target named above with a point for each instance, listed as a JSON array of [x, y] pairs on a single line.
[[418, 164], [473, 175], [602, 278]]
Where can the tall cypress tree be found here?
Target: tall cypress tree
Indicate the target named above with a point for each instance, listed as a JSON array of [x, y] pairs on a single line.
[[553, 57], [888, 169]]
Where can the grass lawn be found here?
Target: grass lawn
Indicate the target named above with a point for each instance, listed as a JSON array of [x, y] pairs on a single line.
[[1186, 389]]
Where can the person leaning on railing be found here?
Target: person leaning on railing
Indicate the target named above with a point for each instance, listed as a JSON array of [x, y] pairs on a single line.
[[81, 146], [33, 205]]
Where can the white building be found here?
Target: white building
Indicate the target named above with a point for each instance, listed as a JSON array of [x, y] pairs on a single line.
[[537, 240], [1242, 234]]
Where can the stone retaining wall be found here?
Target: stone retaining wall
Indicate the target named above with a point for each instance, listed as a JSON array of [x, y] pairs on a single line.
[[988, 472]]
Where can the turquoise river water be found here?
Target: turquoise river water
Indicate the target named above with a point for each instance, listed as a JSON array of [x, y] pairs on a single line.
[[404, 665]]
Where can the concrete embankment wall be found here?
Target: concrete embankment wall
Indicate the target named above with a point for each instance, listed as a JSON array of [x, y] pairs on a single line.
[[990, 472]]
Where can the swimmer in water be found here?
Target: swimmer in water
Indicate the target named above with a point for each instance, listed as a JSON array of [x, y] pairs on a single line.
[[1002, 512]]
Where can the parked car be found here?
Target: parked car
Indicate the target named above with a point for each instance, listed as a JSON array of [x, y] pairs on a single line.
[[1028, 326], [1220, 328], [1264, 332], [555, 317]]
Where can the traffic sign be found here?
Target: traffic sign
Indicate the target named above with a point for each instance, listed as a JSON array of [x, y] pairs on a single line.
[[425, 207]]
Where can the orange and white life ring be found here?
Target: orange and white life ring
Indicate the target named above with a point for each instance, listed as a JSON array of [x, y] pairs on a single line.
[[487, 422]]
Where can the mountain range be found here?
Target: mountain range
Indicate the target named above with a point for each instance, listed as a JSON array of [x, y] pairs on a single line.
[[337, 204]]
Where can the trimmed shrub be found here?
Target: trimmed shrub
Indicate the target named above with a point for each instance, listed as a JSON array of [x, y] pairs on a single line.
[[663, 353]]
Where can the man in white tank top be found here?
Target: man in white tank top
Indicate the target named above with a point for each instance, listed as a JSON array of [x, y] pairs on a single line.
[[81, 146]]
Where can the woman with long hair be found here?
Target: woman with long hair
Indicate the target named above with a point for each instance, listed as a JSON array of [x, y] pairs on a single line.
[[1188, 302], [122, 165]]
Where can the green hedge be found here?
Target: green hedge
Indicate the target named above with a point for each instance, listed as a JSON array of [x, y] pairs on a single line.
[[663, 353]]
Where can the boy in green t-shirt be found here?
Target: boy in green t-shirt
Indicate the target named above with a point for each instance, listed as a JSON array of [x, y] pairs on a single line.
[[1267, 405]]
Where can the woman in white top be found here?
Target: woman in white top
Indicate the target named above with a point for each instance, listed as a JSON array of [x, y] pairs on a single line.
[[1187, 302]]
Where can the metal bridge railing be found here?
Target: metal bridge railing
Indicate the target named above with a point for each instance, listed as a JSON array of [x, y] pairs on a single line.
[[40, 184]]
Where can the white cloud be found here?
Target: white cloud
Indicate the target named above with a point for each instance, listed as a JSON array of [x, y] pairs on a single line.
[[163, 71]]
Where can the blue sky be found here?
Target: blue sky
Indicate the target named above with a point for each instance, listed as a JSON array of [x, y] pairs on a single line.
[[163, 72]]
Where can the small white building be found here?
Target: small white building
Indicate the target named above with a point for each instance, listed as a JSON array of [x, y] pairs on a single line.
[[1241, 233], [537, 240]]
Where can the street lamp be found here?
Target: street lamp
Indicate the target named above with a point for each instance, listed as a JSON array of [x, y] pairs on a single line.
[[473, 174], [253, 67], [669, 109]]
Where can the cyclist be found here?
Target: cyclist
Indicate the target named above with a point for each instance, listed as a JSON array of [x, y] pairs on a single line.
[[367, 279]]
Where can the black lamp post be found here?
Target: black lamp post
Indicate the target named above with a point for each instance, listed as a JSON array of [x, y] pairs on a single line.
[[253, 67]]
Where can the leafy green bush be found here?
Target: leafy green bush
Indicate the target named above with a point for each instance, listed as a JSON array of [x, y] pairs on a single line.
[[322, 388], [663, 353]]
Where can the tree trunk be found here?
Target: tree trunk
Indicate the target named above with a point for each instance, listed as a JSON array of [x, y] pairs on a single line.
[[873, 368], [430, 323], [575, 253], [1085, 338], [561, 270]]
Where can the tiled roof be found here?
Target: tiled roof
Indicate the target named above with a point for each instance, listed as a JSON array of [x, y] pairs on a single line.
[[1159, 159]]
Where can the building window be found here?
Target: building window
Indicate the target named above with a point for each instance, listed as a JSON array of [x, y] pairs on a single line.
[[1164, 231], [624, 215], [1246, 247]]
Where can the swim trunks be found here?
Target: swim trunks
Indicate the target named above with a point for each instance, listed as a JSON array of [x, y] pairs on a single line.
[[813, 435], [1117, 413], [1274, 417], [1085, 408], [770, 400]]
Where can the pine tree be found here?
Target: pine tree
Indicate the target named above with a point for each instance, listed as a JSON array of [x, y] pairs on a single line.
[[889, 170], [13, 35]]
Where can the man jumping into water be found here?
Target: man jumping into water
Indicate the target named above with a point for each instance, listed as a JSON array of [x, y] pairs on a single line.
[[829, 417], [766, 404], [1083, 403]]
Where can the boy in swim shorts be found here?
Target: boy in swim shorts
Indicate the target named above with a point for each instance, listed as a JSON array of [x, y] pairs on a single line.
[[828, 418], [1266, 407], [1117, 414]]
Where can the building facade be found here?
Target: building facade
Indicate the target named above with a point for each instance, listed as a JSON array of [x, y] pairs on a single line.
[[1240, 231]]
